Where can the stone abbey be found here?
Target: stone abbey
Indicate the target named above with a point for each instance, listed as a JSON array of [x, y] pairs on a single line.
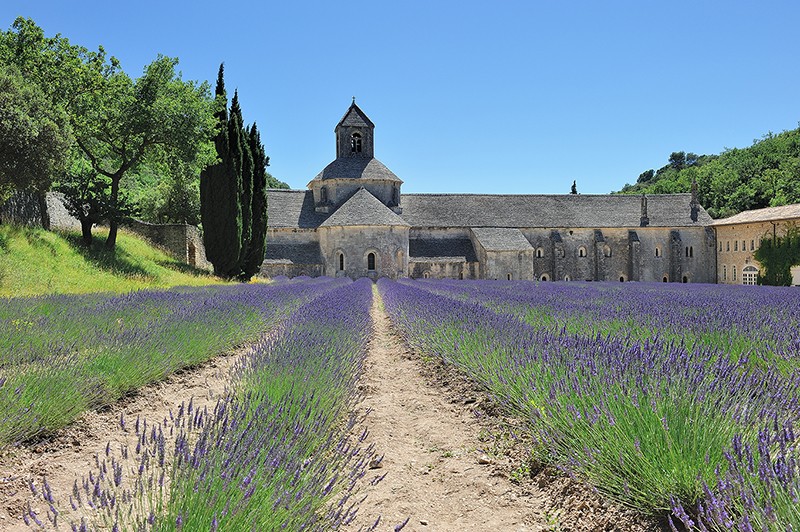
[[354, 221]]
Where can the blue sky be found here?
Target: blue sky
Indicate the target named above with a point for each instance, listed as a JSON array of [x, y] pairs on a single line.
[[485, 97]]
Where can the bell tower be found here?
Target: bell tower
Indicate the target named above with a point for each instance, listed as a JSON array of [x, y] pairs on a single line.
[[354, 134]]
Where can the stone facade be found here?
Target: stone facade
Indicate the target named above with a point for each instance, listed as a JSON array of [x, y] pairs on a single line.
[[181, 241], [739, 236], [353, 221]]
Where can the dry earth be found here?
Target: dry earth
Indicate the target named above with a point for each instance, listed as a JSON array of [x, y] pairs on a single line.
[[449, 456]]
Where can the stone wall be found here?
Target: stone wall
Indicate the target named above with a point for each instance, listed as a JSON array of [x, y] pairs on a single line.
[[351, 246], [737, 243], [181, 241]]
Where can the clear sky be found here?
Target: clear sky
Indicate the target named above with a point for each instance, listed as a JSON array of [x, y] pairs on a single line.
[[490, 97]]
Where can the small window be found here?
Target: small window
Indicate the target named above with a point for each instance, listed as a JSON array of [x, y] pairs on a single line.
[[544, 277], [426, 275], [744, 245], [658, 251], [736, 245], [567, 278], [371, 262], [733, 270], [752, 245], [665, 279], [323, 195], [720, 246], [685, 279], [724, 272], [341, 262], [727, 245], [606, 251], [355, 143], [581, 251], [621, 279], [690, 249], [508, 277], [539, 253], [461, 276]]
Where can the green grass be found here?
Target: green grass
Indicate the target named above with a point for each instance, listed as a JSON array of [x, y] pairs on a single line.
[[37, 262]]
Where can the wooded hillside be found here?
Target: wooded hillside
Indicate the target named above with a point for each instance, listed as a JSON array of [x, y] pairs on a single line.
[[766, 174]]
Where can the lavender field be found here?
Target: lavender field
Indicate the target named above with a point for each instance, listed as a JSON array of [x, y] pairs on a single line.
[[677, 401]]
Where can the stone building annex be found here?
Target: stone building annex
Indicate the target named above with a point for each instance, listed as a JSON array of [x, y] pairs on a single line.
[[354, 221]]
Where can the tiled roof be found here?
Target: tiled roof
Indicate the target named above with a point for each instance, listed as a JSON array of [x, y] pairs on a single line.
[[292, 209], [441, 248], [567, 210], [354, 116], [300, 253], [762, 215], [363, 209], [501, 239], [357, 168]]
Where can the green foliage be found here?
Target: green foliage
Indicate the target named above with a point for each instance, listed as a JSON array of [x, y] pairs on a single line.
[[767, 174], [777, 256], [258, 239], [33, 134]]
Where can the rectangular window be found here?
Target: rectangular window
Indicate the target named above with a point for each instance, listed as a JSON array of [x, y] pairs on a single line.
[[752, 245], [736, 245], [727, 245], [724, 273], [744, 245], [720, 246]]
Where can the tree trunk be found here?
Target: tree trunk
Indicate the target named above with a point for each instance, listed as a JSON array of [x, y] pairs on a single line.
[[113, 222], [86, 232]]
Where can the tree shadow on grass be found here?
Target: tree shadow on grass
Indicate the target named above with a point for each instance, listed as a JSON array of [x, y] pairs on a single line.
[[117, 262], [182, 267]]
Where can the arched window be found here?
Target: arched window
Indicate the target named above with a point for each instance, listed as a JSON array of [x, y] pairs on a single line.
[[341, 262], [355, 143], [508, 276], [461, 276], [685, 279], [622, 278], [606, 251], [544, 277], [539, 253], [581, 251], [749, 275], [665, 279], [425, 275], [691, 251], [658, 251], [567, 278], [371, 262]]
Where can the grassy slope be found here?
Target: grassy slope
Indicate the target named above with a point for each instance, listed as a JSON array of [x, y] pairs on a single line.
[[34, 261]]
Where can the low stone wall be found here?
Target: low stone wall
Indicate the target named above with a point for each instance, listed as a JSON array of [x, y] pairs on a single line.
[[182, 241], [274, 268], [24, 208]]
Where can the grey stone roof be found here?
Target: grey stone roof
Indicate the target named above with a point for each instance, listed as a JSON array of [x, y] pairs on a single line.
[[357, 168], [501, 239], [295, 209], [441, 248], [363, 209], [355, 117], [305, 253], [768, 214], [537, 210], [292, 209]]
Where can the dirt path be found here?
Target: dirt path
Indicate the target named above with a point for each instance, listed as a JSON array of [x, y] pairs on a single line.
[[70, 454], [437, 473]]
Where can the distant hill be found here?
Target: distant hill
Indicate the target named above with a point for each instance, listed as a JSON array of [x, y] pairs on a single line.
[[767, 174], [35, 261]]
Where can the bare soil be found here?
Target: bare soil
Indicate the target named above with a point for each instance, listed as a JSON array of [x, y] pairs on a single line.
[[451, 459]]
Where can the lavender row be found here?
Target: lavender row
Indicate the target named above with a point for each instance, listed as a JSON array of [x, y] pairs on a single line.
[[63, 354], [277, 453], [650, 423], [738, 320]]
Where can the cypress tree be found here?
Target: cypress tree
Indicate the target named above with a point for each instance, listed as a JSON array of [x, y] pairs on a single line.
[[246, 178], [220, 185], [258, 242]]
